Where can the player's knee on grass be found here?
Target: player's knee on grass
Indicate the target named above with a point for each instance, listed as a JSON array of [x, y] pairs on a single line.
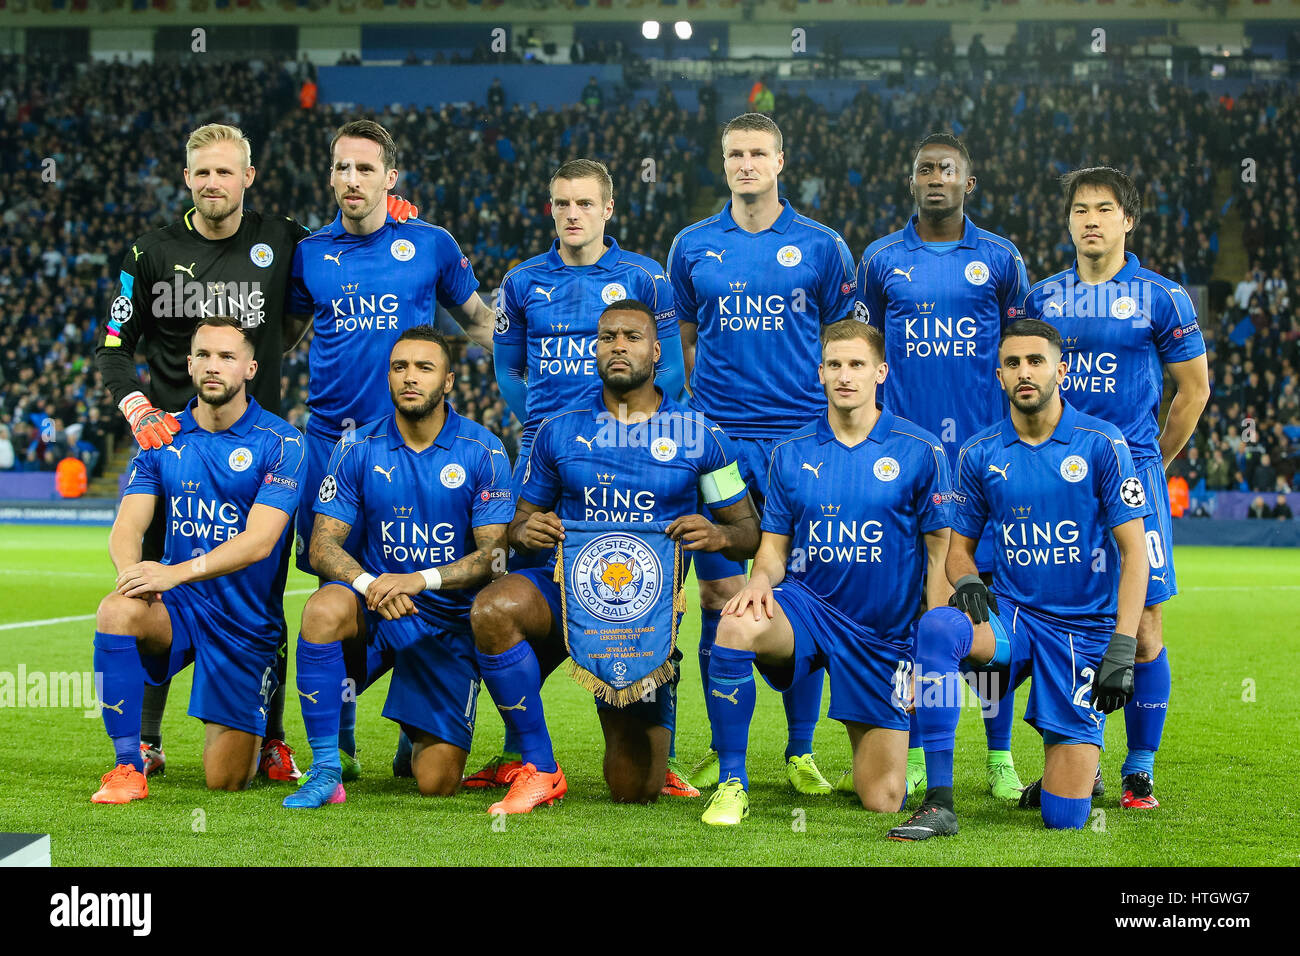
[[507, 611], [1150, 635], [636, 758], [714, 595], [331, 614], [880, 795], [437, 765], [229, 758]]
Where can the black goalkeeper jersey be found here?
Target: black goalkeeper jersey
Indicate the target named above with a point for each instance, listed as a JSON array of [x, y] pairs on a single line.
[[171, 278]]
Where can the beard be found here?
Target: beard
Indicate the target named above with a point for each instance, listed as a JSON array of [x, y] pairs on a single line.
[[420, 412], [216, 401], [216, 210], [357, 214], [626, 381], [1034, 405]]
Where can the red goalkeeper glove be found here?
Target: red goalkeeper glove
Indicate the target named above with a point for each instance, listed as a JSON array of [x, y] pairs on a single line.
[[152, 427], [401, 210]]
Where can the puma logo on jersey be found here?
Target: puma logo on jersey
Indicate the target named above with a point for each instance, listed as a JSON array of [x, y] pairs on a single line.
[[518, 706], [177, 449], [189, 271], [1001, 471], [808, 467], [906, 275], [1056, 306], [386, 473], [311, 697], [716, 255], [585, 441], [137, 252], [1159, 577], [731, 697], [117, 707], [545, 292], [335, 258]]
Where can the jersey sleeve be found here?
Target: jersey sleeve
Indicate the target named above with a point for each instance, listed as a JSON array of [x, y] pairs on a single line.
[[493, 502], [679, 280], [511, 320], [835, 298], [778, 511], [1013, 285], [659, 296], [933, 502], [297, 300], [456, 280], [144, 478], [286, 463], [541, 483], [1175, 330], [339, 495], [115, 352], [721, 484], [970, 509], [870, 303], [1119, 490]]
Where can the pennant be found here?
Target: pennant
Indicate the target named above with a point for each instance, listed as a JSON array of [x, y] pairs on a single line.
[[621, 600]]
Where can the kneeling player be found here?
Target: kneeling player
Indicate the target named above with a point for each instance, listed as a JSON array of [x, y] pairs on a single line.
[[1059, 488], [663, 460], [229, 484], [858, 498], [430, 490]]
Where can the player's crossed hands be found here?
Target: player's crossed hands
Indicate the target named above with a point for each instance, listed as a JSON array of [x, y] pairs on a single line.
[[146, 579], [390, 594], [756, 594]]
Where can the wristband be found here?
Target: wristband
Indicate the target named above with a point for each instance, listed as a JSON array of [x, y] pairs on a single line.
[[362, 581], [432, 579], [130, 400]]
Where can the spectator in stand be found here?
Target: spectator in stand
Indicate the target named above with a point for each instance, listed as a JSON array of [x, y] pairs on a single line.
[[6, 450], [1282, 510], [1264, 478], [1258, 509], [1218, 474]]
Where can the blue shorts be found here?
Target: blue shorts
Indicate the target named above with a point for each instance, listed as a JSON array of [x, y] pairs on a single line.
[[233, 681], [519, 560], [318, 459], [1159, 528], [659, 708], [1062, 663], [435, 674], [870, 683], [754, 456]]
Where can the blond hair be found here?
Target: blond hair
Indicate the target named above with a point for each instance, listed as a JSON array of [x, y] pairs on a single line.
[[206, 136]]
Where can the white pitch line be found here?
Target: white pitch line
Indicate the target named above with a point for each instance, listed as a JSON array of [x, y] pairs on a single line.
[[90, 617], [1245, 587]]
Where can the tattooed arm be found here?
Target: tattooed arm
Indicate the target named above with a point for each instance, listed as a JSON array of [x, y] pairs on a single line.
[[326, 553]]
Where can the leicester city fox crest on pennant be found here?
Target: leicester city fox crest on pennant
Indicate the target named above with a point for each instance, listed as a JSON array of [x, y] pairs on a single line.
[[620, 599]]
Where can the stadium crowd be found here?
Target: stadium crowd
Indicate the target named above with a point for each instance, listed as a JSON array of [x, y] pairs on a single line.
[[92, 155]]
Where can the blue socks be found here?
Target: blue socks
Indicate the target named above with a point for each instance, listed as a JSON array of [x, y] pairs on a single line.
[[803, 705], [708, 634], [121, 694], [514, 679], [348, 728], [1144, 715], [321, 674], [1065, 813], [943, 640], [731, 696], [997, 728]]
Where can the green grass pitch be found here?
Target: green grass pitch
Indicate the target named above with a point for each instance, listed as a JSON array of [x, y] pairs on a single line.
[[1225, 776]]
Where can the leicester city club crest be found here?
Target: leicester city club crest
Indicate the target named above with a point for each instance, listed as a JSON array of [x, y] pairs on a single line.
[[617, 577]]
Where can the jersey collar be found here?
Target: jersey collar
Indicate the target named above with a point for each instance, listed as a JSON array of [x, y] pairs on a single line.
[[1062, 433], [884, 424], [728, 221], [241, 428], [912, 239], [608, 259], [335, 229], [450, 429], [1126, 272]]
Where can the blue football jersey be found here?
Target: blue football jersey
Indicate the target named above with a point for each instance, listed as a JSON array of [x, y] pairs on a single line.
[[856, 517], [587, 466], [1052, 507], [553, 308], [941, 314], [207, 482], [1117, 337], [362, 293], [419, 509], [759, 301]]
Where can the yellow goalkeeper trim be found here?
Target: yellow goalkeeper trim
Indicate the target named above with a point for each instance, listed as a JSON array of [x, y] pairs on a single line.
[[722, 484]]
